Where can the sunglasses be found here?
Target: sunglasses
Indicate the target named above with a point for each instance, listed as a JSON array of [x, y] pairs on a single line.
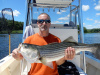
[[41, 21]]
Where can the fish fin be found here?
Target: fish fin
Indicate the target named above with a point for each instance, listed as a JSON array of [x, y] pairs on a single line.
[[70, 39], [44, 61], [50, 64]]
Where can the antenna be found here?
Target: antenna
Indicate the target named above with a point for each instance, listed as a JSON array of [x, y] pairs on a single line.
[[59, 9], [37, 9], [53, 9], [43, 9], [48, 9]]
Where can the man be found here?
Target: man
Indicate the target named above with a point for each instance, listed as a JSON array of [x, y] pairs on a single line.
[[43, 37]]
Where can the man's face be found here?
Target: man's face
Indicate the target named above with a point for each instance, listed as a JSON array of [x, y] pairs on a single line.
[[43, 22]]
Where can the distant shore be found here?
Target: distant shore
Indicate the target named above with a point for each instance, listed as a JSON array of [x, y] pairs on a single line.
[[21, 31], [13, 32]]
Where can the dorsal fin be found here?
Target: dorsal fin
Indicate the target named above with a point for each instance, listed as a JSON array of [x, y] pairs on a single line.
[[70, 39]]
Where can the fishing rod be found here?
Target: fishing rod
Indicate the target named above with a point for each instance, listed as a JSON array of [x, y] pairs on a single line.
[[8, 22]]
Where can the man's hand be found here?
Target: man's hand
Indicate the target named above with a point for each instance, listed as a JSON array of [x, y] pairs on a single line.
[[16, 54], [69, 53]]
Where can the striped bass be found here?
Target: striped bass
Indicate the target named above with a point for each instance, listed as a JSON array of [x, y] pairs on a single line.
[[52, 52]]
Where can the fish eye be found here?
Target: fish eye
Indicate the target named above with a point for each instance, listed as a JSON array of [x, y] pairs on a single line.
[[25, 46]]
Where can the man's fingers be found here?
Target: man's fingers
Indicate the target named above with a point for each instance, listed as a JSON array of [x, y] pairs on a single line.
[[16, 54], [69, 53]]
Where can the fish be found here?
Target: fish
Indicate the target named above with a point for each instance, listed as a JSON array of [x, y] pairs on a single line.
[[47, 53]]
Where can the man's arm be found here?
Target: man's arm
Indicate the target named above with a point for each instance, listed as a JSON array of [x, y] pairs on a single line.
[[69, 55]]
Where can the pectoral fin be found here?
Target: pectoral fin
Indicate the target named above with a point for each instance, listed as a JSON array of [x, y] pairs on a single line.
[[44, 61]]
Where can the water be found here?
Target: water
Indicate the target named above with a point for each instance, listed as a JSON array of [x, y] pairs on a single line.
[[89, 38], [4, 43]]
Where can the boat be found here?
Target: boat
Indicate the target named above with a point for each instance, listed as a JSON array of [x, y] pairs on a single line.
[[85, 64]]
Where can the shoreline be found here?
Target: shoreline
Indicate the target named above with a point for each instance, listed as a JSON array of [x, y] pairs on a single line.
[[13, 32]]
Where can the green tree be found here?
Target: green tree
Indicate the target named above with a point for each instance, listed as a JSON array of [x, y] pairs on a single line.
[[85, 30]]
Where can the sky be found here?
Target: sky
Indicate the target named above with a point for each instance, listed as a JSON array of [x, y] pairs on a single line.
[[90, 12]]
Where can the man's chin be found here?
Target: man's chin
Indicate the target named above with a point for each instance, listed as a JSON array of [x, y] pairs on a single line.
[[43, 29]]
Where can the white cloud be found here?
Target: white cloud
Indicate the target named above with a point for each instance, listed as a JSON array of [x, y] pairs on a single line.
[[83, 23], [63, 10], [66, 22], [99, 2], [16, 13], [89, 19], [97, 21], [36, 12], [7, 12], [97, 8], [98, 14], [89, 26], [94, 3], [58, 12], [64, 18], [85, 7], [55, 22], [73, 14]]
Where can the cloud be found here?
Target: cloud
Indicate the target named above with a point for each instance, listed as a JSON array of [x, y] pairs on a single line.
[[97, 21], [94, 3], [7, 12], [91, 26], [64, 18], [66, 22], [55, 22], [89, 19], [85, 7], [58, 12], [83, 23], [61, 11], [16, 13], [97, 8], [36, 12], [98, 14]]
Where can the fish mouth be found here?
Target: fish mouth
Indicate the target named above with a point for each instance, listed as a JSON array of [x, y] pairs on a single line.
[[20, 45]]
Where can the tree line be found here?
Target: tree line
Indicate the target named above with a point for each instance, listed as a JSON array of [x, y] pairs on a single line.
[[94, 30], [19, 26], [10, 25]]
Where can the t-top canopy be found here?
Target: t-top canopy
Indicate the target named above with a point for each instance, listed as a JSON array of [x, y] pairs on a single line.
[[52, 3]]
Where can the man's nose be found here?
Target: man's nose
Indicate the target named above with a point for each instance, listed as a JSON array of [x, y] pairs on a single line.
[[44, 23]]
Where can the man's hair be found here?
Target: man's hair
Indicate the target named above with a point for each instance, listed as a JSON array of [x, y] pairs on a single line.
[[45, 14]]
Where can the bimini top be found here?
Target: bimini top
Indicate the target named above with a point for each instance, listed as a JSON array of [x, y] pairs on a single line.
[[52, 3]]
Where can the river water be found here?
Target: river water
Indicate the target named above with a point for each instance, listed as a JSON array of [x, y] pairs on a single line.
[[89, 38]]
